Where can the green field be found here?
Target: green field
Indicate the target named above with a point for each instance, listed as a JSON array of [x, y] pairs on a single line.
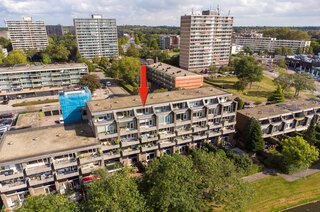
[[274, 193], [258, 93]]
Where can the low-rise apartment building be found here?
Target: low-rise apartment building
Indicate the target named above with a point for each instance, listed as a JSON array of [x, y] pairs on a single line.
[[45, 160], [256, 42], [120, 132], [26, 80], [169, 42], [171, 77], [279, 119], [169, 122]]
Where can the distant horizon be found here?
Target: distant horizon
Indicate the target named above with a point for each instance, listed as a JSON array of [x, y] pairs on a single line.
[[165, 12]]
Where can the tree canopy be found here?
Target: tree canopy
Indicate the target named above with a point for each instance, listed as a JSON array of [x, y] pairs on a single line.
[[302, 82], [127, 69], [92, 81], [172, 184], [248, 69], [132, 51], [286, 34], [15, 57], [253, 136], [115, 192], [298, 154], [47, 203], [277, 96]]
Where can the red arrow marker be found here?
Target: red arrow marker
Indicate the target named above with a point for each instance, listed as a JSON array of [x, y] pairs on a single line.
[[143, 89]]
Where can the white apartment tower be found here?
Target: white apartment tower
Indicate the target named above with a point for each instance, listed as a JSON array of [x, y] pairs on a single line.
[[205, 39], [28, 34], [96, 36]]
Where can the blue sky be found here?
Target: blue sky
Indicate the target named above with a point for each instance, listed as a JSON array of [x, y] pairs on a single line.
[[165, 12]]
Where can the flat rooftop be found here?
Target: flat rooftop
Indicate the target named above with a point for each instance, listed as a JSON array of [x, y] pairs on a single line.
[[280, 108], [24, 68], [153, 98], [21, 144], [171, 70]]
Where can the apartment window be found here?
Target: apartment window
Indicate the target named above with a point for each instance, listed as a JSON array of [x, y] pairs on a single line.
[[228, 109], [199, 114]]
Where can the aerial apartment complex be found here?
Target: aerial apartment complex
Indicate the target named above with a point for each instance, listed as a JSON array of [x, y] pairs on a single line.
[[96, 36], [256, 42], [28, 34], [24, 80], [205, 39], [279, 119], [169, 42], [171, 77], [120, 132]]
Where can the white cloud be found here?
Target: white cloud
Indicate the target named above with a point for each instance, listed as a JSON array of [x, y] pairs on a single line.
[[165, 12]]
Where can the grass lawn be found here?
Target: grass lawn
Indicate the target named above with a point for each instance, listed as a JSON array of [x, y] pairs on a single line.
[[274, 193], [39, 102], [258, 93]]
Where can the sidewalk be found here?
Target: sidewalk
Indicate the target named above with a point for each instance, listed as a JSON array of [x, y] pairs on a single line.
[[290, 178]]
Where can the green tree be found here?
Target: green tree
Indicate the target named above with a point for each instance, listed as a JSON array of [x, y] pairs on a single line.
[[91, 66], [310, 134], [282, 63], [302, 82], [299, 51], [45, 58], [241, 85], [132, 51], [96, 59], [213, 70], [172, 184], [253, 136], [248, 51], [285, 80], [277, 96], [2, 57], [240, 103], [248, 69], [58, 53], [290, 51], [286, 34], [5, 43], [298, 154], [47, 203], [16, 57], [92, 81], [137, 40], [115, 192], [221, 182], [104, 62], [127, 69], [154, 45]]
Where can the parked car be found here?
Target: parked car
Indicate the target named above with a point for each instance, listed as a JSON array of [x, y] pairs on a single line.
[[6, 115], [61, 121], [108, 83], [5, 102], [6, 122]]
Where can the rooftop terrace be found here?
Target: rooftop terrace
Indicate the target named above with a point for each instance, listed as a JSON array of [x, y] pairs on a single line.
[[26, 143], [280, 108], [24, 68], [171, 70], [153, 98]]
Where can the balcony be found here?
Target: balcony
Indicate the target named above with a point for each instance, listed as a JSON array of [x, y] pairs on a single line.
[[183, 122], [147, 128], [129, 142], [65, 175], [89, 159], [149, 148], [183, 139], [13, 186], [228, 130], [199, 118], [214, 125], [107, 135], [10, 174], [88, 169], [199, 128], [166, 143], [199, 137], [126, 131], [149, 138], [38, 169], [166, 125], [111, 155], [130, 151], [41, 180], [64, 163], [214, 133], [165, 134], [229, 123]]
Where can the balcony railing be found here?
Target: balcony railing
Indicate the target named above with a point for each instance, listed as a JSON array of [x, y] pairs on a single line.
[[13, 186], [42, 180], [89, 159], [64, 175], [166, 135], [10, 174], [130, 152], [166, 143], [64, 163], [38, 169]]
